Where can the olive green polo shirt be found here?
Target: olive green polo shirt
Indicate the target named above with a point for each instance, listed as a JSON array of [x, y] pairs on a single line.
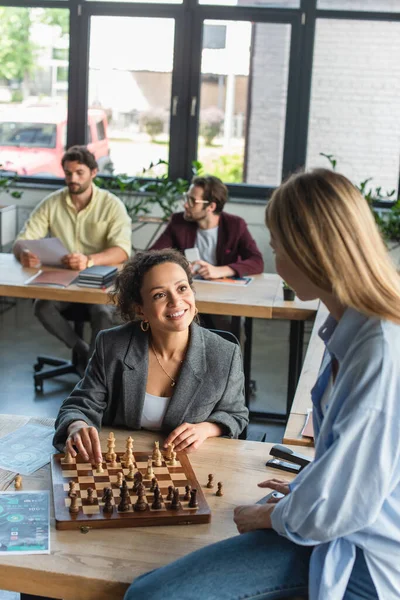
[[103, 223]]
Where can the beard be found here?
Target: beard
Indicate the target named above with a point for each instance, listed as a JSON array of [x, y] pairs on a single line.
[[76, 189]]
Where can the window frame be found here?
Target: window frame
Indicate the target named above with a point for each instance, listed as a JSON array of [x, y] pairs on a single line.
[[186, 76]]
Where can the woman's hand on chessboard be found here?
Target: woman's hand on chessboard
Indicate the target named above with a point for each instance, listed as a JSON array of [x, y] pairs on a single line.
[[86, 440], [189, 436]]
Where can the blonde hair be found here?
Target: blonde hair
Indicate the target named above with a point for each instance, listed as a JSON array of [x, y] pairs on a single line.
[[327, 229]]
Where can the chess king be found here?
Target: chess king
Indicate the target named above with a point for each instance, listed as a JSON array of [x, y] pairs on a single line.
[[160, 371]]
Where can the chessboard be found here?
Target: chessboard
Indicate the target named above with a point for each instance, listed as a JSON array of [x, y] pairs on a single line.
[[91, 514]]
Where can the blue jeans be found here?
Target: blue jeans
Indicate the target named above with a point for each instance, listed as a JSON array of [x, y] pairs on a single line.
[[258, 565]]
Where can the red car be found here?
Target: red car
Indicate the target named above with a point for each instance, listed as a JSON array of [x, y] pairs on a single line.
[[33, 140]]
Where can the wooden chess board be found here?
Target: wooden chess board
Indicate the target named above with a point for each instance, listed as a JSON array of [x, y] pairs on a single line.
[[91, 515]]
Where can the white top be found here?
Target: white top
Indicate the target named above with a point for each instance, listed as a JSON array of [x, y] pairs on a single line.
[[154, 409], [206, 242]]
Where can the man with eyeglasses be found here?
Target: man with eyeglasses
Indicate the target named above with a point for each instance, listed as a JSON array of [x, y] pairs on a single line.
[[223, 240]]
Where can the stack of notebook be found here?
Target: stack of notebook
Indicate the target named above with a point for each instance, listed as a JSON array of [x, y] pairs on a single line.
[[97, 277]]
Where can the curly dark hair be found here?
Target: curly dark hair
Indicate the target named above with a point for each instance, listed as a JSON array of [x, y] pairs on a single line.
[[81, 155], [128, 285]]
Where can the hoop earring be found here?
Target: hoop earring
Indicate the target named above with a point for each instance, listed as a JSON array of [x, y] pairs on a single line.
[[144, 325]]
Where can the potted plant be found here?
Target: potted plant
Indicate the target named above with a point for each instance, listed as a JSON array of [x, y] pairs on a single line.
[[288, 293]]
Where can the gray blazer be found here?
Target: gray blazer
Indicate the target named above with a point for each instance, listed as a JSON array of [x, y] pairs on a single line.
[[210, 385]]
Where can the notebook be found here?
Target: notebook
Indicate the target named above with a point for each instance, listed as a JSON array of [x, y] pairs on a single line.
[[57, 278], [98, 273]]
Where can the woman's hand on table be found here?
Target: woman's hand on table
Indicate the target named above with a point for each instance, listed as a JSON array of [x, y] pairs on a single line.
[[279, 485], [256, 516], [190, 436], [86, 441]]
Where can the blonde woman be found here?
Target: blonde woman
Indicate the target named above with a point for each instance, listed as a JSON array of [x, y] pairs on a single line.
[[336, 532]]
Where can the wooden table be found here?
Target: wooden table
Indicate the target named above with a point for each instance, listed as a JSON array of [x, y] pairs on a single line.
[[261, 299], [308, 377], [102, 563]]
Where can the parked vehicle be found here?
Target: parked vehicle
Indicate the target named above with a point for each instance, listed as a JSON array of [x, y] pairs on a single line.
[[33, 140]]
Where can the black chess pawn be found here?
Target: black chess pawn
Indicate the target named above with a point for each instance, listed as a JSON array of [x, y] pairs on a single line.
[[220, 491], [107, 499], [153, 484], [140, 503], [187, 490], [210, 482], [157, 499], [193, 499], [90, 492], [170, 493], [175, 504]]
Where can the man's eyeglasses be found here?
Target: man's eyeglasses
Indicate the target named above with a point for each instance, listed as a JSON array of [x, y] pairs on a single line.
[[191, 201]]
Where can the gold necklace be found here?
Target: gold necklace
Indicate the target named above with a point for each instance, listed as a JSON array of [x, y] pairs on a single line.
[[173, 381]]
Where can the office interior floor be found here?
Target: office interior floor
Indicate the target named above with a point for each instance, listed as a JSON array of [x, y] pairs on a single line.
[[22, 338]]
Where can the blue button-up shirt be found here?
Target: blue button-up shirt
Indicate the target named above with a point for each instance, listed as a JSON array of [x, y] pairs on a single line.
[[350, 494]]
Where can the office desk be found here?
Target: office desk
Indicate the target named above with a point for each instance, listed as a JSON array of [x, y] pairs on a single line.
[[261, 299], [309, 373], [101, 564]]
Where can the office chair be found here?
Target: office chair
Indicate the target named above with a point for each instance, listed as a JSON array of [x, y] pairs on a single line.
[[78, 313], [230, 337]]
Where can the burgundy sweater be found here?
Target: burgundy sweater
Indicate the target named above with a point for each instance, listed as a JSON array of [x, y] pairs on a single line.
[[235, 246]]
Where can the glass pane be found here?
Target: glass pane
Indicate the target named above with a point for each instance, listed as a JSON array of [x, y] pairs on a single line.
[[355, 109], [365, 5], [33, 89], [244, 78], [130, 79], [265, 3]]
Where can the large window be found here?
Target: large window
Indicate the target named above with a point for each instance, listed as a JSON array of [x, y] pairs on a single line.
[[244, 81], [251, 89], [33, 89], [130, 91]]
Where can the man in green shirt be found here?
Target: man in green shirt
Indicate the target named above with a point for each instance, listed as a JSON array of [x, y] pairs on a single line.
[[96, 230]]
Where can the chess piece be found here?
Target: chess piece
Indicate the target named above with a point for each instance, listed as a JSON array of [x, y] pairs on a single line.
[[99, 468], [220, 491], [187, 490], [175, 504], [170, 447], [107, 499], [170, 492], [113, 460], [111, 437], [90, 492], [125, 502], [157, 499], [74, 508], [141, 503], [131, 474], [193, 499], [153, 484], [210, 482], [72, 488], [128, 447], [110, 447], [156, 449], [120, 478], [150, 472], [158, 459], [67, 460], [18, 482], [172, 461], [137, 478]]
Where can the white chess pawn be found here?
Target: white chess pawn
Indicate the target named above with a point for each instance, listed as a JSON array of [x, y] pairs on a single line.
[[172, 461], [67, 460]]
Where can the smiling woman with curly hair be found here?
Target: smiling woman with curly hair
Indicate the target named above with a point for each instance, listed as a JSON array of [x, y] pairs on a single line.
[[159, 371]]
